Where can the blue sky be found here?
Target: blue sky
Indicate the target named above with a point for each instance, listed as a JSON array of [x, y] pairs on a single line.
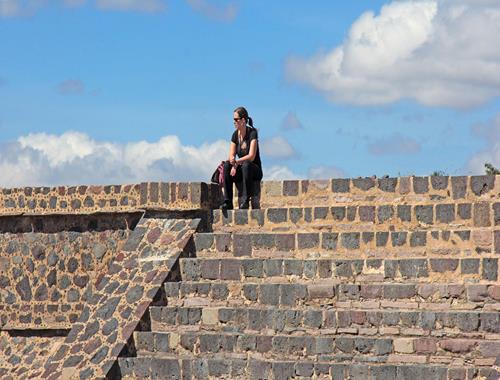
[[102, 91]]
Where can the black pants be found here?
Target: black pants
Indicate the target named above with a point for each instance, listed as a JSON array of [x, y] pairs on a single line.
[[245, 173]]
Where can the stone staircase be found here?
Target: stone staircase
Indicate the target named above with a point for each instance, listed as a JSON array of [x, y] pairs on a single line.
[[342, 279]]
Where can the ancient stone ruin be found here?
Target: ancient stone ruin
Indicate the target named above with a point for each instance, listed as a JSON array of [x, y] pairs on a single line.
[[393, 278]]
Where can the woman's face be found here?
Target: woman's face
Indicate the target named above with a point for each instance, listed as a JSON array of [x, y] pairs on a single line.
[[238, 121]]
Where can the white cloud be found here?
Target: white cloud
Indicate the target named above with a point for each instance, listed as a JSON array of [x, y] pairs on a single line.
[[71, 87], [490, 133], [9, 8], [279, 172], [224, 14], [394, 144], [14, 8], [325, 172], [437, 52], [277, 147], [151, 6], [291, 122], [74, 3], [75, 158]]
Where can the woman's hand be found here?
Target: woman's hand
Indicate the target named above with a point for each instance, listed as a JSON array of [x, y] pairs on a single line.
[[233, 171]]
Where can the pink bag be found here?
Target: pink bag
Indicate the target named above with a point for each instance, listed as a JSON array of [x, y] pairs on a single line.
[[218, 176]]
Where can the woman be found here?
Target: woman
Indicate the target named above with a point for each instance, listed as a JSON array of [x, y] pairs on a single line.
[[247, 167]]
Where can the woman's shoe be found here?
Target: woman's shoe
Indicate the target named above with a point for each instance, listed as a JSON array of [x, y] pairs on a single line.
[[226, 205]]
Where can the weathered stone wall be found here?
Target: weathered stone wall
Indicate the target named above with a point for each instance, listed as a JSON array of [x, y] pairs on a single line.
[[43, 274], [89, 199]]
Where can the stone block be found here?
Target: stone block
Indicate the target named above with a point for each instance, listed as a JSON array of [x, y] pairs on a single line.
[[398, 238], [293, 267], [469, 266], [439, 182], [482, 184], [444, 265], [381, 238], [338, 213], [340, 185], [307, 240], [230, 269], [310, 268], [295, 214], [316, 291], [240, 217], [290, 188], [242, 245], [404, 213], [364, 184], [497, 241], [273, 267], [313, 318], [263, 241], [325, 268], [425, 346], [384, 372], [399, 291], [367, 213], [477, 293], [459, 187], [209, 269], [253, 268], [418, 239], [490, 269], [464, 211], [285, 242], [424, 214], [420, 185], [223, 242], [457, 345], [482, 214], [329, 240], [217, 367], [283, 370], [320, 213], [350, 240], [270, 294], [277, 215], [258, 216], [387, 184], [403, 345], [445, 213], [290, 293], [385, 213]]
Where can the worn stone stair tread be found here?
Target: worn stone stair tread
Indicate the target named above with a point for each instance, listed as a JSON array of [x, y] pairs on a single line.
[[422, 269], [446, 212], [318, 320], [472, 350], [235, 367]]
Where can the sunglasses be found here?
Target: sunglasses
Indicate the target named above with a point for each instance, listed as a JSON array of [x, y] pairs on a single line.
[[237, 118]]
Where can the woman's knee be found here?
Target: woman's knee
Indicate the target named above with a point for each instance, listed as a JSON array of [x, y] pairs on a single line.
[[245, 166]]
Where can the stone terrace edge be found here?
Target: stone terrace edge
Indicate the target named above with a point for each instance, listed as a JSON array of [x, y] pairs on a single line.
[[199, 195]]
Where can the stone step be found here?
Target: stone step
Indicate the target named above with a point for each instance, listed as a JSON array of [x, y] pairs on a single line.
[[255, 367], [401, 190], [363, 270], [372, 243], [326, 347], [409, 295], [368, 215], [327, 320]]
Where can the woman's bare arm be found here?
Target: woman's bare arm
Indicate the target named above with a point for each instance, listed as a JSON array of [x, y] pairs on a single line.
[[232, 153]]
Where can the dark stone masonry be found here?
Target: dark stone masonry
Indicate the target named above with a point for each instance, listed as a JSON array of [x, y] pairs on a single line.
[[392, 278]]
